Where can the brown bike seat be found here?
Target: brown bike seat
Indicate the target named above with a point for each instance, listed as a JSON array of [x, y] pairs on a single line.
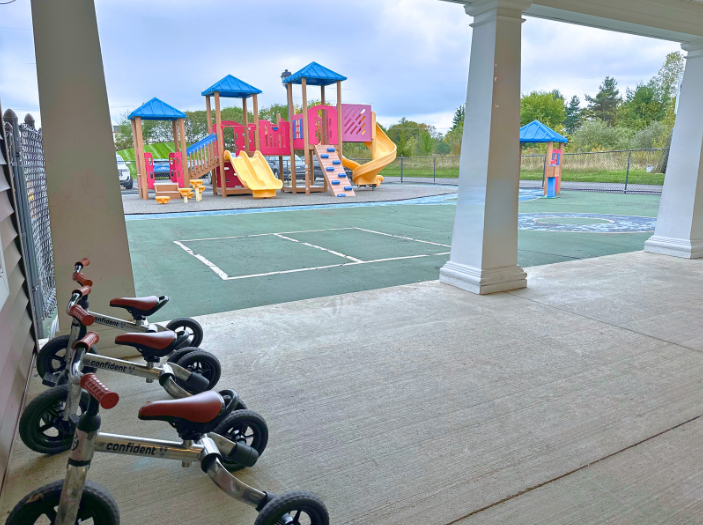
[[152, 345], [200, 408], [138, 303]]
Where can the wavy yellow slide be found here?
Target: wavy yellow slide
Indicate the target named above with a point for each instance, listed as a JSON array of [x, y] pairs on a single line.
[[383, 152], [255, 173]]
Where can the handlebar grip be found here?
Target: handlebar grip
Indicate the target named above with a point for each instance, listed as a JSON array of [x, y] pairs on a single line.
[[95, 388], [79, 313], [90, 339], [83, 262], [82, 279], [83, 291]]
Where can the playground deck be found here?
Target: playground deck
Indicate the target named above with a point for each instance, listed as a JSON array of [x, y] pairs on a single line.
[[248, 258]]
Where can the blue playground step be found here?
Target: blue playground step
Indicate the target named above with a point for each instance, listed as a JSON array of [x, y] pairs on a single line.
[[331, 149], [325, 156], [336, 162], [340, 175], [329, 168], [336, 182], [347, 188], [341, 195]]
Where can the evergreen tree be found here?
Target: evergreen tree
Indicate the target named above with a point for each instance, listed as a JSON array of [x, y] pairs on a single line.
[[458, 119], [604, 106], [573, 115]]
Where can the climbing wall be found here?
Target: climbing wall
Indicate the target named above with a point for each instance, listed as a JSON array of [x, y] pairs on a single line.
[[332, 167]]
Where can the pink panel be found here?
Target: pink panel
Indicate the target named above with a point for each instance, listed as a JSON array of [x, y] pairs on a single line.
[[275, 139], [175, 165], [297, 122], [150, 177], [356, 123], [238, 134], [231, 180], [316, 115]]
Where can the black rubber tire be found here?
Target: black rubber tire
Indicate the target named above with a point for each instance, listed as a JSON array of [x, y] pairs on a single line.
[[175, 356], [129, 184], [193, 326], [46, 409], [295, 504], [96, 504], [203, 363], [244, 426], [51, 358]]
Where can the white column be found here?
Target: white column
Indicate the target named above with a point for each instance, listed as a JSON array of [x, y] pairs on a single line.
[[679, 230], [85, 204], [484, 242]]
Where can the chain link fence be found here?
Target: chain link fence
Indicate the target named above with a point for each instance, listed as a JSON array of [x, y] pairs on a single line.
[[29, 176]]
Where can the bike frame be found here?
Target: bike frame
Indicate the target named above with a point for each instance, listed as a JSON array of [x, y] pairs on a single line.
[[88, 441]]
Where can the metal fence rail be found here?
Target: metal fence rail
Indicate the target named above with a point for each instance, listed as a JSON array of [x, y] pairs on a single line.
[[29, 177]]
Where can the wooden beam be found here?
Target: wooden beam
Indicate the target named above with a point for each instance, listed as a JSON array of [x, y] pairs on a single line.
[[175, 136], [208, 109], [141, 162], [221, 148], [184, 153], [257, 139], [246, 125], [306, 153], [291, 113], [339, 119]]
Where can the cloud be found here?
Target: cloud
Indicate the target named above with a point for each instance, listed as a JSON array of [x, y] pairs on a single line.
[[405, 57]]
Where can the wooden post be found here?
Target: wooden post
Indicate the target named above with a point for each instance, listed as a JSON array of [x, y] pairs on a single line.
[[548, 170], [291, 114], [175, 136], [257, 139], [246, 125], [184, 153], [208, 110], [306, 153], [141, 161], [339, 119], [221, 148]]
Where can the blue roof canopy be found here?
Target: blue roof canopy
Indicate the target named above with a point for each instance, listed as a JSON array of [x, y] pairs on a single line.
[[231, 87], [535, 131], [314, 75], [157, 109]]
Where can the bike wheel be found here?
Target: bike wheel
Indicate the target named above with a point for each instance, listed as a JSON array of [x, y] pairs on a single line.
[[243, 426], [203, 363], [294, 508], [40, 506], [51, 359], [42, 427], [195, 331], [177, 354]]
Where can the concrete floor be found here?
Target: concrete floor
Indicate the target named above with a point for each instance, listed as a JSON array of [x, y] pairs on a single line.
[[577, 400], [132, 204]]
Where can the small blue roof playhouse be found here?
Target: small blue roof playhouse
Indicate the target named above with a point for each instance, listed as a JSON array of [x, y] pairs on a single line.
[[231, 87], [157, 109], [315, 75], [535, 131]]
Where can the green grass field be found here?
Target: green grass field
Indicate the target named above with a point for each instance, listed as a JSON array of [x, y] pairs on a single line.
[[160, 150]]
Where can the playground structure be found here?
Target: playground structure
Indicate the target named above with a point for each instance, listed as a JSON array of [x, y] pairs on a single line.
[[536, 132], [317, 131]]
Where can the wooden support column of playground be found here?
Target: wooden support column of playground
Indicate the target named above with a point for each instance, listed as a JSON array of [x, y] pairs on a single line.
[[307, 164], [184, 152], [245, 118], [291, 114], [221, 148]]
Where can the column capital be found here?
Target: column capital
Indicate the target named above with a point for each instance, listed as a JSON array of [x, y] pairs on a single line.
[[506, 8], [693, 48]]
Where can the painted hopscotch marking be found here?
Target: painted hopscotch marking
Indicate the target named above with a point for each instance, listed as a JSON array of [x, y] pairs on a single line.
[[283, 235]]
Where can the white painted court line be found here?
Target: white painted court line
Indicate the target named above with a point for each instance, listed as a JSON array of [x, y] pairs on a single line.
[[265, 234], [401, 237], [319, 248], [205, 261]]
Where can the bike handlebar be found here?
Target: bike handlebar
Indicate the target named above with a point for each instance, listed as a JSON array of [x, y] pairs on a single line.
[[82, 279], [83, 291], [83, 317], [90, 339], [82, 263], [107, 398]]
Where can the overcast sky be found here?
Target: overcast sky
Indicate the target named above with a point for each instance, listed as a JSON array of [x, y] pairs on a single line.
[[407, 58]]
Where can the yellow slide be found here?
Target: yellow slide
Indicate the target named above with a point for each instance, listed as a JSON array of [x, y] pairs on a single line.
[[255, 173], [382, 154]]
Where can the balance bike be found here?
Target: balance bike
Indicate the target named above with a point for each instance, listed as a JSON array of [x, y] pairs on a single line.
[[52, 357], [196, 420], [48, 422]]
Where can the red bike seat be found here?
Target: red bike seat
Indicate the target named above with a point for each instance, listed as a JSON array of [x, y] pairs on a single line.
[[200, 408], [152, 345], [140, 307]]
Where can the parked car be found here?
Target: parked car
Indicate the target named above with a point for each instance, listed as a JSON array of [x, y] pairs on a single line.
[[124, 174]]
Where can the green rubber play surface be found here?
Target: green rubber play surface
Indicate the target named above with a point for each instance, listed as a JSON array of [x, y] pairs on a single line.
[[218, 263]]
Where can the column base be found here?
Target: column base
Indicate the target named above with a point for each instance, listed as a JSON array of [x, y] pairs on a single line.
[[483, 282], [684, 248]]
